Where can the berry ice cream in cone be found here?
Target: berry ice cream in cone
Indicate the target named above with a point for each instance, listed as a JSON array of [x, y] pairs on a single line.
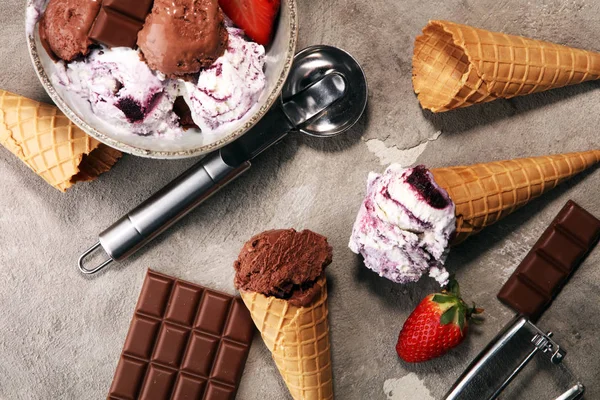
[[280, 275], [411, 216]]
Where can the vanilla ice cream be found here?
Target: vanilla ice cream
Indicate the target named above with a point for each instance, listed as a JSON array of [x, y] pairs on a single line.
[[122, 90], [228, 89], [404, 225], [33, 14]]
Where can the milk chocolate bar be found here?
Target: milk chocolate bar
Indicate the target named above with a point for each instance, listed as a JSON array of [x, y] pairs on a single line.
[[119, 21], [556, 255], [184, 342]]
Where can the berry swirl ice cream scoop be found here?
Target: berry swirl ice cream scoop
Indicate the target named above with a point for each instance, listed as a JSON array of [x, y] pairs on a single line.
[[404, 225]]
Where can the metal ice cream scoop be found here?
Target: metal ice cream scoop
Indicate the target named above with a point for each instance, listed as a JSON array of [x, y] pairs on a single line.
[[325, 95]]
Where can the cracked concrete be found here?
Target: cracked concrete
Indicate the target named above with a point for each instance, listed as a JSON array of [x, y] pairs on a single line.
[[61, 333]]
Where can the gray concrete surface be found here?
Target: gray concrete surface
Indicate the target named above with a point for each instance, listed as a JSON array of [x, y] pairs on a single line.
[[61, 333]]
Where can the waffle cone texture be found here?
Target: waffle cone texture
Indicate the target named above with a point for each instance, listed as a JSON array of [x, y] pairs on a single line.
[[457, 66], [50, 144], [485, 193], [298, 338]]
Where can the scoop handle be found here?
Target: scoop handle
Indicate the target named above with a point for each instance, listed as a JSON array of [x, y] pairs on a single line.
[[168, 205]]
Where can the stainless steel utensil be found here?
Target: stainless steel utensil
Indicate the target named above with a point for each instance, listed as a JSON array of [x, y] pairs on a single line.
[[506, 355], [572, 394], [325, 95]]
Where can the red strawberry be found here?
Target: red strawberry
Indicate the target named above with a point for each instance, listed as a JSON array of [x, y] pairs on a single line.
[[255, 17], [439, 323]]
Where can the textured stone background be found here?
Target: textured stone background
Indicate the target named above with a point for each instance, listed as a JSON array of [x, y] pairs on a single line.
[[61, 333]]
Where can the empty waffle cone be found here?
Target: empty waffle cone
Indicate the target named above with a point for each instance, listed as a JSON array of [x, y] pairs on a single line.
[[50, 144], [485, 193], [457, 66], [298, 338]]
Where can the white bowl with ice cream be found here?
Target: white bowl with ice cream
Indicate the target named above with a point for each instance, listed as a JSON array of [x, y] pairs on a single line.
[[79, 88]]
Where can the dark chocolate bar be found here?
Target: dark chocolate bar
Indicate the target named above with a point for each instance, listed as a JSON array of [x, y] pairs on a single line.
[[119, 21], [184, 342], [544, 271]]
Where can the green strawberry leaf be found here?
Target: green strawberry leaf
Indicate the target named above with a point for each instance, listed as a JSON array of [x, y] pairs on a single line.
[[443, 298], [453, 287], [448, 316]]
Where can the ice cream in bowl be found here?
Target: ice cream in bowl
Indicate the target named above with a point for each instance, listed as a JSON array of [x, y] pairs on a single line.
[[163, 78]]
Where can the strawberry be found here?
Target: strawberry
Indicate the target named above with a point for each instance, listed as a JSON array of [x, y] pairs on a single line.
[[255, 17], [439, 323]]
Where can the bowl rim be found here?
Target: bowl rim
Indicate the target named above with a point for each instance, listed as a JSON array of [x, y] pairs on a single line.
[[164, 154]]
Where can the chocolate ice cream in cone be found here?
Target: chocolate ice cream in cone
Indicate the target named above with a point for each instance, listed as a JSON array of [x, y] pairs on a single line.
[[457, 66], [50, 144], [280, 275]]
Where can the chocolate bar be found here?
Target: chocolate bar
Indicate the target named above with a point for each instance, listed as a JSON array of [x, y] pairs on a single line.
[[184, 342], [551, 261], [119, 21]]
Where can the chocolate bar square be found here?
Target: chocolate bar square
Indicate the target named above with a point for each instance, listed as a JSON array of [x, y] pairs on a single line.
[[136, 9], [544, 273], [115, 30]]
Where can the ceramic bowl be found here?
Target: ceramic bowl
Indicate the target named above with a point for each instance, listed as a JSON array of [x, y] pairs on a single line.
[[278, 61]]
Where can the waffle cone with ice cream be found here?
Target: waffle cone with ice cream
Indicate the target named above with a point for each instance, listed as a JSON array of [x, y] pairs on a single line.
[[457, 66], [410, 217], [50, 144], [281, 280], [298, 338], [485, 193]]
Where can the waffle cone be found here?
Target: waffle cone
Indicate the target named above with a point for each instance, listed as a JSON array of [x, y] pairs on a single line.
[[298, 338], [485, 193], [457, 66], [50, 144]]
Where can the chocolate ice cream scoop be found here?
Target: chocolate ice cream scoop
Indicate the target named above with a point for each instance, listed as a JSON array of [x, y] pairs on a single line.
[[180, 37], [65, 26], [284, 264]]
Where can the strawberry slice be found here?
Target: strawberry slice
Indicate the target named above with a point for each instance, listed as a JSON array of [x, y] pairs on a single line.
[[255, 17]]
